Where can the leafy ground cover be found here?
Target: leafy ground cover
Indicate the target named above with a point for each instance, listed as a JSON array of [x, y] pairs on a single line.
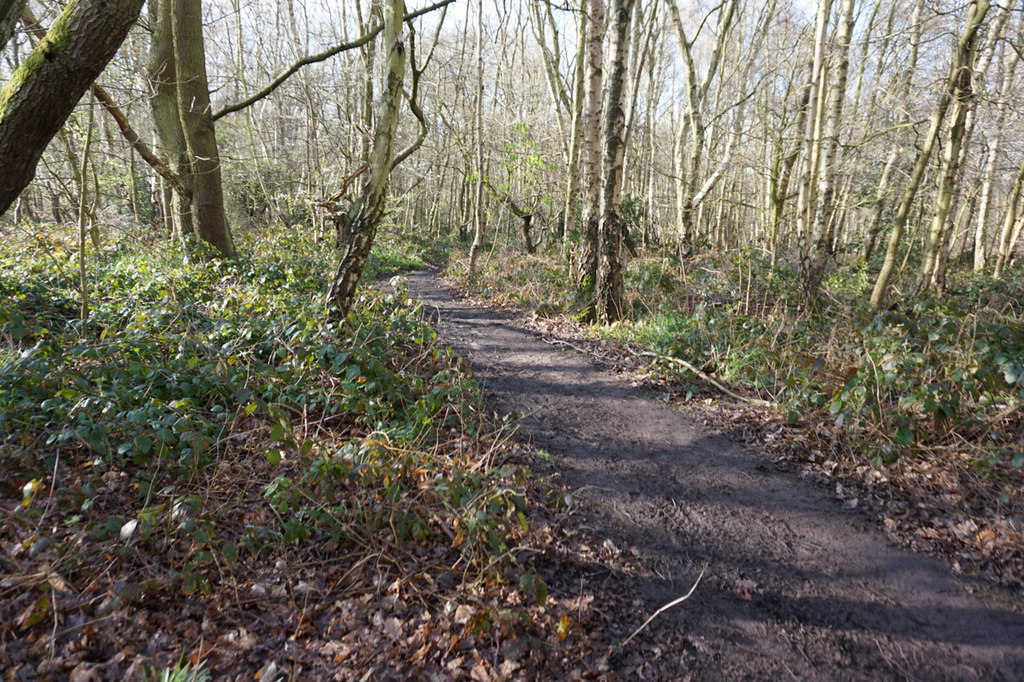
[[913, 412], [211, 472]]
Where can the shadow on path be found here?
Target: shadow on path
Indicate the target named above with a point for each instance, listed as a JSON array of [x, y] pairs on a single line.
[[796, 586]]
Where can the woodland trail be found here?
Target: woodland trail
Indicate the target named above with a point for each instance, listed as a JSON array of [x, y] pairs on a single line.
[[796, 586]]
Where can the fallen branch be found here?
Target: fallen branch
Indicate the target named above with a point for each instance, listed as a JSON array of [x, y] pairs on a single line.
[[708, 378], [666, 607]]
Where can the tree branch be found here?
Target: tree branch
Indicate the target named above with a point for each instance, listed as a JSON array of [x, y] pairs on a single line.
[[320, 57], [35, 29]]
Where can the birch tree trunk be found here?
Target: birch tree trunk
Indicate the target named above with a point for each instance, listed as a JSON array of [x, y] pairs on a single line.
[[1008, 235], [812, 133], [697, 90], [903, 90], [586, 277], [478, 115], [609, 271], [366, 212], [988, 175], [783, 163], [572, 188], [819, 237]]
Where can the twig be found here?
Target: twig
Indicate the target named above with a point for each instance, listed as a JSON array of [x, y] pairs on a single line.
[[666, 607], [708, 378]]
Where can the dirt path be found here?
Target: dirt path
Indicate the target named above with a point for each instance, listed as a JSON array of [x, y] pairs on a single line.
[[796, 585]]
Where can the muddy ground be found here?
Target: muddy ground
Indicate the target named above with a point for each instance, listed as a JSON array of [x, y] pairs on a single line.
[[796, 585]]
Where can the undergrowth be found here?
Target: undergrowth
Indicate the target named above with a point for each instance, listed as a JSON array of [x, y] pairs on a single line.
[[212, 419]]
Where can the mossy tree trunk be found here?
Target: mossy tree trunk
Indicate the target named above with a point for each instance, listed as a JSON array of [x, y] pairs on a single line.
[[44, 90]]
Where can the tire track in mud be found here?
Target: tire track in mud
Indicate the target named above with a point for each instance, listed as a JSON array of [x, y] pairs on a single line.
[[824, 596]]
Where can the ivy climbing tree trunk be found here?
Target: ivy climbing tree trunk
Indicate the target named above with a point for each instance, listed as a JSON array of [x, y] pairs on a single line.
[[43, 91], [366, 212]]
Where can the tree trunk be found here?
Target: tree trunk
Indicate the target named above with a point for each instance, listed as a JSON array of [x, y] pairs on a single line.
[[975, 15], [366, 212], [812, 143], [193, 93], [819, 243], [586, 276], [609, 272], [10, 12], [43, 91], [164, 104], [478, 115], [907, 77], [998, 132], [697, 91], [1006, 235], [576, 132], [964, 96]]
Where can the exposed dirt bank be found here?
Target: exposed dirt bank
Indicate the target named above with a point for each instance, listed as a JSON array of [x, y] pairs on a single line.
[[795, 586]]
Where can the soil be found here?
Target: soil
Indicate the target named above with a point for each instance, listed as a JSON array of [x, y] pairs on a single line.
[[795, 584]]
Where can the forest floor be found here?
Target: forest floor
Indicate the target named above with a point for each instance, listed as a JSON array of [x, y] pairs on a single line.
[[788, 577]]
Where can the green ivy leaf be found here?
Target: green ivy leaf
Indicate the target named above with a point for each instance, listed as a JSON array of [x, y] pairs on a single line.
[[143, 444]]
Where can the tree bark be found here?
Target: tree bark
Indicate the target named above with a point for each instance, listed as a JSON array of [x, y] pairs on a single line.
[[366, 212], [1007, 238], [812, 143], [10, 12], [43, 91], [576, 131], [163, 101], [609, 270], [193, 99], [964, 96], [975, 15], [988, 176], [586, 270], [478, 115], [819, 243], [903, 88], [696, 95]]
